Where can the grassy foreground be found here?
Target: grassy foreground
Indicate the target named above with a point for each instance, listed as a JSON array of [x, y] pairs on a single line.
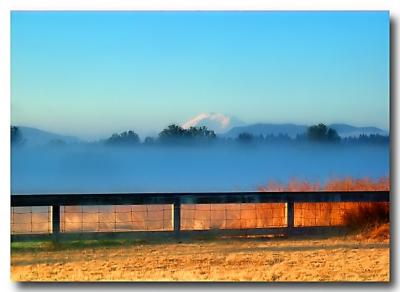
[[354, 257]]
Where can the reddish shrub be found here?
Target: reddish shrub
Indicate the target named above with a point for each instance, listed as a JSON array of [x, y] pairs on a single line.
[[354, 215]]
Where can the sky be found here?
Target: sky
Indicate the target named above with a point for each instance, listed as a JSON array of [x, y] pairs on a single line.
[[91, 74]]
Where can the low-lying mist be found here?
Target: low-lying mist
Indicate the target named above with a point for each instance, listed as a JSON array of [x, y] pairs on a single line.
[[155, 168]]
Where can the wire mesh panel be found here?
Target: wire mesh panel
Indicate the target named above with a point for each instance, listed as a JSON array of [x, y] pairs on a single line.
[[25, 220], [116, 218], [232, 216], [328, 214], [159, 217]]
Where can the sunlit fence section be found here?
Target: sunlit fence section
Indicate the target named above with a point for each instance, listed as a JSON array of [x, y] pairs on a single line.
[[121, 218], [329, 213], [233, 216], [117, 218], [31, 220], [184, 213]]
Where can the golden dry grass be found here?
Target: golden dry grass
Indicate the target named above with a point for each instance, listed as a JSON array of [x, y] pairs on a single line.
[[345, 184], [351, 258]]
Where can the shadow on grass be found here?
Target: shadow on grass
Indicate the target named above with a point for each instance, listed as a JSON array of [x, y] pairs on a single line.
[[74, 243], [49, 245]]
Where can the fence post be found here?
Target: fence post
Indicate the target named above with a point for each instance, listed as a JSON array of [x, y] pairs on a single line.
[[177, 217], [55, 221], [290, 215]]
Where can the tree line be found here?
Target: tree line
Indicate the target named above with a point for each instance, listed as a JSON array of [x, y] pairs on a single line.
[[175, 134]]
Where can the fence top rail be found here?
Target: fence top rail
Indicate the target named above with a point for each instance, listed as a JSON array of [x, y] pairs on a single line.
[[195, 198]]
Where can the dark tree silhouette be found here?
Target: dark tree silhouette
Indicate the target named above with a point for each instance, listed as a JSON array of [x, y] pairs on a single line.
[[177, 134], [321, 133], [332, 135], [125, 138], [367, 139], [200, 132], [16, 136], [172, 132], [245, 137], [317, 132]]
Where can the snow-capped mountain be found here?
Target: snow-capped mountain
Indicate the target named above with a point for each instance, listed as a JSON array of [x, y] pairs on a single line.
[[218, 122]]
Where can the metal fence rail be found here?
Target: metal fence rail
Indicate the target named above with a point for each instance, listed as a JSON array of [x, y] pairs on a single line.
[[174, 207]]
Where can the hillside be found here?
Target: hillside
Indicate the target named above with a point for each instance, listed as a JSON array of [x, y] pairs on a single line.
[[36, 137]]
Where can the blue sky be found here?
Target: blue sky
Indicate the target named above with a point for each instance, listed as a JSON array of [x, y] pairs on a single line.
[[93, 73]]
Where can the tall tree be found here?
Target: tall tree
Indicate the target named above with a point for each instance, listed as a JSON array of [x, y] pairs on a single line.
[[176, 134], [125, 138], [172, 132], [321, 133]]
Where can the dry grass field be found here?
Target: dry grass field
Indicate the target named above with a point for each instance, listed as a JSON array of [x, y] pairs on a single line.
[[357, 257]]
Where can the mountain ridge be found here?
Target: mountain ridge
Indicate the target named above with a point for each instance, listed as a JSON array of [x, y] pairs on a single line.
[[35, 136], [292, 130]]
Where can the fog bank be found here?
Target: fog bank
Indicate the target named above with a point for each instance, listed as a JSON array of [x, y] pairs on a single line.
[[97, 168]]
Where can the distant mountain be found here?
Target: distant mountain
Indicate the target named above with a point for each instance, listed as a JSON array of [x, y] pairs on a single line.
[[346, 130], [292, 130], [217, 122], [36, 137]]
